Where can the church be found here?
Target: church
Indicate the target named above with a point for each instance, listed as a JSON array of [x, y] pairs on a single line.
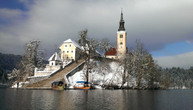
[[120, 51]]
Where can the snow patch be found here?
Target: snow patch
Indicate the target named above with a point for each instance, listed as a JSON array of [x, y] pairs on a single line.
[[97, 78]]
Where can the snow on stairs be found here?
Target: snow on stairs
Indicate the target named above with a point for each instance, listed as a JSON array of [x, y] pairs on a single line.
[[56, 77]]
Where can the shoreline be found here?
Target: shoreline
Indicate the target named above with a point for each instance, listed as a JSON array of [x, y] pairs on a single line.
[[49, 88]]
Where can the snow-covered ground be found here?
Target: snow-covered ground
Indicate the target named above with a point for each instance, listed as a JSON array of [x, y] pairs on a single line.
[[102, 74]]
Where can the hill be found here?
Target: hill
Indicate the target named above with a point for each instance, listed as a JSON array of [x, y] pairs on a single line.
[[8, 62]]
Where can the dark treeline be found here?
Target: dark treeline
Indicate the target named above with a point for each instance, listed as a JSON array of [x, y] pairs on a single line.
[[176, 78], [7, 63]]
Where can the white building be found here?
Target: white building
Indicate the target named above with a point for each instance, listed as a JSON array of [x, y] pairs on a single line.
[[54, 60], [69, 50], [54, 65]]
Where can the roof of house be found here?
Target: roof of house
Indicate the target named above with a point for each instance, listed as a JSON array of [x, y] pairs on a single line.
[[73, 42], [111, 51], [54, 57]]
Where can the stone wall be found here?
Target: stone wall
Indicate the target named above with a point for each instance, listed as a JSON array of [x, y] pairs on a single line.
[[52, 68], [37, 79], [42, 73], [47, 71]]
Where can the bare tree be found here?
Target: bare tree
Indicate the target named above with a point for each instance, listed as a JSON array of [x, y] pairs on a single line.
[[83, 40], [151, 71], [105, 45], [144, 66], [32, 58], [127, 64], [89, 46], [139, 56]]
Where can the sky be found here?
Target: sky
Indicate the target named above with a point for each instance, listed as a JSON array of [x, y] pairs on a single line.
[[165, 27]]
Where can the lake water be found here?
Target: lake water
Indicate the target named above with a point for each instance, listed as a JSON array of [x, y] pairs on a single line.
[[13, 99]]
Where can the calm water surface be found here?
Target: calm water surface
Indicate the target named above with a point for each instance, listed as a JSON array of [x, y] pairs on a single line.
[[13, 99]]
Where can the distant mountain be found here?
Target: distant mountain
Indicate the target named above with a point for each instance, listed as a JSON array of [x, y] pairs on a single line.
[[8, 62]]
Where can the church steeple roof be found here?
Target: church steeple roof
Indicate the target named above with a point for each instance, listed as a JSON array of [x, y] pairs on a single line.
[[121, 23]]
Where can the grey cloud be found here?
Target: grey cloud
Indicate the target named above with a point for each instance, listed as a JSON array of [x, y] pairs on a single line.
[[182, 60], [156, 22]]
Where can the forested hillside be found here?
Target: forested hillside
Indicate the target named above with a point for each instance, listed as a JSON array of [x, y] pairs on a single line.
[[177, 77], [8, 62]]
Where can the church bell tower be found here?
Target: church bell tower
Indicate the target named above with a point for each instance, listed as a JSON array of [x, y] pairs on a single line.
[[121, 38]]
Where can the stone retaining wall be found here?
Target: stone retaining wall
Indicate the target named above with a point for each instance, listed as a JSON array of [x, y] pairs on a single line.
[[37, 79]]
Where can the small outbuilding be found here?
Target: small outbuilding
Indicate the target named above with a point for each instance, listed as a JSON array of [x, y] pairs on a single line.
[[54, 60]]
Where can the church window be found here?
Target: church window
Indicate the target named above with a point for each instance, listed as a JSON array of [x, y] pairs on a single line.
[[67, 51], [121, 43], [72, 51], [69, 45], [121, 36], [63, 51], [65, 45]]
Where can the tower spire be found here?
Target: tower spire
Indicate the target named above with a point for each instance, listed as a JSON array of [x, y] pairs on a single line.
[[121, 23], [121, 14]]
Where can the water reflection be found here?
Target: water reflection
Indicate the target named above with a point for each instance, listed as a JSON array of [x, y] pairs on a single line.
[[96, 99]]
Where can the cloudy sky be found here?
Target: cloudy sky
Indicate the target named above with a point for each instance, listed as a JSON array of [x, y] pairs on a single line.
[[164, 26]]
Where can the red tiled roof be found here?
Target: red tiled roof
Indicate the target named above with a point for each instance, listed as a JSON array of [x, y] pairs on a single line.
[[111, 51]]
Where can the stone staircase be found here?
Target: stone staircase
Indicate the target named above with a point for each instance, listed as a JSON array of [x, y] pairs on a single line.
[[56, 77]]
